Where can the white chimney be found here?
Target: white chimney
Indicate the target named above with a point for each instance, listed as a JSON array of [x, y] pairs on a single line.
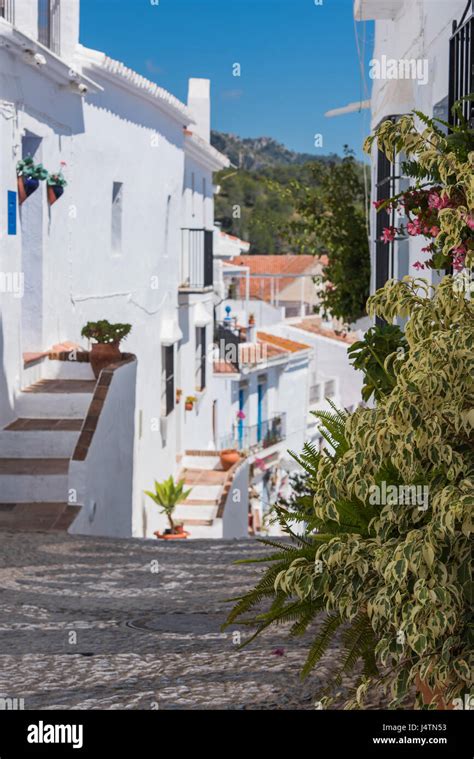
[[199, 102]]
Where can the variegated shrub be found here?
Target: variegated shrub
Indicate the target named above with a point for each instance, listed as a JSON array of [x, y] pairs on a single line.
[[397, 574]]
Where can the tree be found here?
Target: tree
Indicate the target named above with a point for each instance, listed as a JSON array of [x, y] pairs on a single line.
[[330, 219]]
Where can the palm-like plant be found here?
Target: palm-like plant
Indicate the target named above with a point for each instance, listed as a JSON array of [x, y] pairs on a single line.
[[167, 495]]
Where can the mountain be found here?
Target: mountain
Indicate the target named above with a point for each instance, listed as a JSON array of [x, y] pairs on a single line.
[[257, 153]]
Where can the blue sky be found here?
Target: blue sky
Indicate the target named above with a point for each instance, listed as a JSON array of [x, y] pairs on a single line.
[[297, 60]]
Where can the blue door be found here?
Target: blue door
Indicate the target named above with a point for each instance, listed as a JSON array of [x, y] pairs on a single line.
[[259, 412], [240, 426]]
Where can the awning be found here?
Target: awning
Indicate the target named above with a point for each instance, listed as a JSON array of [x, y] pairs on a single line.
[[170, 332], [202, 317]]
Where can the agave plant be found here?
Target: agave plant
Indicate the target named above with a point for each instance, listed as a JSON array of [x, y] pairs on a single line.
[[167, 495]]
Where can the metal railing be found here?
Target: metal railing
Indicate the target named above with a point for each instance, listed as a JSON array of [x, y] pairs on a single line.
[[461, 65], [256, 437], [197, 258], [228, 339]]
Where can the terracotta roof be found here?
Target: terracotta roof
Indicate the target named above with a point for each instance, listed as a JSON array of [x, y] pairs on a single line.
[[313, 324], [283, 343], [283, 265]]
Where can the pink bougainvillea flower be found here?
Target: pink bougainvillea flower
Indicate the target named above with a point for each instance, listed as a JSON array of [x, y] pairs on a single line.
[[459, 255], [388, 234], [435, 231], [470, 222], [413, 227], [418, 265], [240, 415]]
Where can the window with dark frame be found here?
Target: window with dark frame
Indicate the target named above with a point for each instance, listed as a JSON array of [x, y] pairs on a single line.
[[168, 379], [200, 358], [461, 65]]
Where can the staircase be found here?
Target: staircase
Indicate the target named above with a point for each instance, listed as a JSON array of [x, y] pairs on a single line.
[[202, 511], [36, 448]]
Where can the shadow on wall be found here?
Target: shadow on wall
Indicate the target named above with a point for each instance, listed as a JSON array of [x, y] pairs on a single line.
[[6, 408]]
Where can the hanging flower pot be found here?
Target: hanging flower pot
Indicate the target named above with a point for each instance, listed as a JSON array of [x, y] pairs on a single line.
[[189, 402], [26, 187], [29, 175], [54, 193], [56, 184]]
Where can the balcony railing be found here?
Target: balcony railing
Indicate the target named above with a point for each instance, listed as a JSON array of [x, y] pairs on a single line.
[[461, 65], [228, 338], [197, 259], [256, 437]]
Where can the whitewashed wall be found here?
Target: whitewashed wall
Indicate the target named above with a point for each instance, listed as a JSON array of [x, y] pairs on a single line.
[[421, 30]]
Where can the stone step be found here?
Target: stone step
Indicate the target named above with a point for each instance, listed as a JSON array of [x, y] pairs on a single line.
[[207, 493], [203, 476], [59, 399], [40, 438], [67, 370], [32, 480], [37, 516], [207, 513]]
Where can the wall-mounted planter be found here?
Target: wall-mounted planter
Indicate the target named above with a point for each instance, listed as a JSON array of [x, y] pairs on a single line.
[[26, 187], [54, 193]]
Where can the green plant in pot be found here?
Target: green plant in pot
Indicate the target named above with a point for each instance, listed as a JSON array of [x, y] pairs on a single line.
[[107, 338], [167, 495], [29, 175]]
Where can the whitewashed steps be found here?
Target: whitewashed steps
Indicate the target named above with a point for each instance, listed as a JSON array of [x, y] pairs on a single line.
[[25, 480], [40, 438], [58, 399]]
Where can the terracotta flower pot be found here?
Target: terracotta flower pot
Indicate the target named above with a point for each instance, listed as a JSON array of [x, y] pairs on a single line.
[[229, 457], [171, 535], [103, 354], [26, 187], [188, 406], [54, 193]]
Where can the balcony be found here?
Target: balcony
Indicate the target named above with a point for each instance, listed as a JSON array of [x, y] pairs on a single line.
[[256, 437], [228, 338], [197, 259]]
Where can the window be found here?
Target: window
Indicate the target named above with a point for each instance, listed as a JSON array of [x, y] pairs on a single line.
[[167, 396], [204, 191], [461, 64], [330, 389], [7, 10], [200, 358], [315, 393], [48, 23], [117, 198]]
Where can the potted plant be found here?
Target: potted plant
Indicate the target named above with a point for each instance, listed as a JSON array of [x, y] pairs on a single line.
[[105, 350], [29, 175], [251, 320], [189, 402], [229, 457], [167, 495], [179, 394], [56, 184]]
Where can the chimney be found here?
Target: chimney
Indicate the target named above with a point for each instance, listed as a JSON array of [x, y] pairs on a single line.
[[199, 103]]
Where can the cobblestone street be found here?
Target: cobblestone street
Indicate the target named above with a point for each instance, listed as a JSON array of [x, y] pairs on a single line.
[[95, 623]]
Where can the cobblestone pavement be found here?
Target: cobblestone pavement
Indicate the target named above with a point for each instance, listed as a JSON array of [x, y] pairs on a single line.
[[98, 623]]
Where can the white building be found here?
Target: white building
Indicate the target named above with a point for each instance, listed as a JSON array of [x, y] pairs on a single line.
[[434, 39], [130, 241]]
